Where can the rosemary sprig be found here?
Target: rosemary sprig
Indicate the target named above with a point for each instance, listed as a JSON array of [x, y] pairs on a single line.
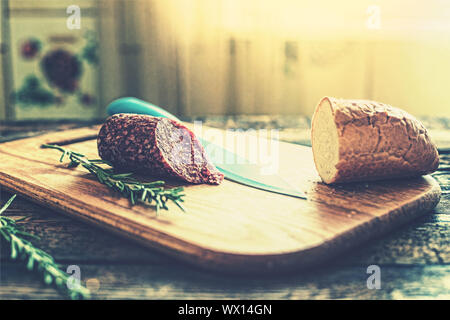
[[153, 193], [36, 259]]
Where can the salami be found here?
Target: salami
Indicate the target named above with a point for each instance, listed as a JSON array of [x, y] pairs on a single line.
[[157, 146]]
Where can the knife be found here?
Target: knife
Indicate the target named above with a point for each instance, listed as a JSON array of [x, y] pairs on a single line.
[[241, 171]]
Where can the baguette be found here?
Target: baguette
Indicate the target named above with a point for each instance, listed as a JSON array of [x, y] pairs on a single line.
[[359, 140]]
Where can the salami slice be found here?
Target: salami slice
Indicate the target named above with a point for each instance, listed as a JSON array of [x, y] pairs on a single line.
[[157, 146]]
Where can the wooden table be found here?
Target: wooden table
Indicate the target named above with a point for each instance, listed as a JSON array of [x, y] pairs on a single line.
[[414, 260]]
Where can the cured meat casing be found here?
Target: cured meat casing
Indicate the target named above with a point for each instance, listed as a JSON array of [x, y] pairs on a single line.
[[154, 145]]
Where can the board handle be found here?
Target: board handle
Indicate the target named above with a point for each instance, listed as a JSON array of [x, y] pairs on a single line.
[[134, 105]]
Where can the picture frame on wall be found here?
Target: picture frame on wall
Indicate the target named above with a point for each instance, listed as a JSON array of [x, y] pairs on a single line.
[[53, 69]]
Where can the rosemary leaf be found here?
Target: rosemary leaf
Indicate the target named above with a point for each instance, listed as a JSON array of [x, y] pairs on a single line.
[[152, 193], [36, 259]]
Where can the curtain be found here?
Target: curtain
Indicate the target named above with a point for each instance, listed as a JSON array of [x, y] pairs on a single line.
[[197, 57]]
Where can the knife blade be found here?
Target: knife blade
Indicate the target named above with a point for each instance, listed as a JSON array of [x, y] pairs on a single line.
[[241, 170]]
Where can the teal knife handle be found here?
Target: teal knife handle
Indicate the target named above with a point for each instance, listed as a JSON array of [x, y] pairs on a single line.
[[134, 105]]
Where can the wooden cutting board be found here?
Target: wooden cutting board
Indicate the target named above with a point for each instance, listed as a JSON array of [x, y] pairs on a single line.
[[230, 227]]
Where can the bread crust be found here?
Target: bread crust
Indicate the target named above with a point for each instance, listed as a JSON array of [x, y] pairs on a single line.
[[378, 141]]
